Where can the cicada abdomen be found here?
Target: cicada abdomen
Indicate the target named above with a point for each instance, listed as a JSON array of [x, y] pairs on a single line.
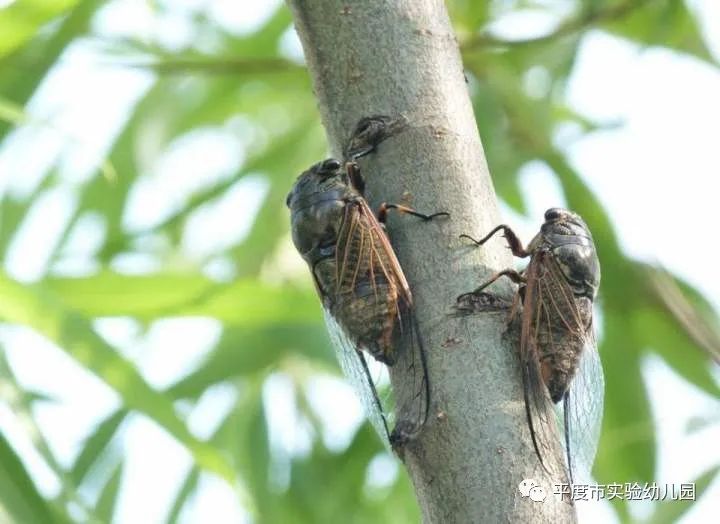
[[365, 295], [558, 352]]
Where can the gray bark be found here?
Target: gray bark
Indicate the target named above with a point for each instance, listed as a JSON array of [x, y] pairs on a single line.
[[368, 57]]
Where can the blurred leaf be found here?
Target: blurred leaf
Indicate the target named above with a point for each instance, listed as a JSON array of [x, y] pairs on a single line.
[[627, 444], [114, 294], [245, 433], [676, 348], [257, 450], [11, 215], [20, 499], [468, 16], [96, 444], [29, 306], [212, 65], [671, 511], [247, 351], [12, 113], [691, 313], [16, 115], [243, 302], [105, 506], [503, 157], [187, 488], [698, 423], [666, 23], [40, 55], [21, 404], [23, 18]]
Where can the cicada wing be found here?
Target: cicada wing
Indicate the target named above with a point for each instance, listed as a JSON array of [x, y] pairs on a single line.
[[539, 413], [412, 391], [354, 366], [538, 405], [367, 256], [581, 414]]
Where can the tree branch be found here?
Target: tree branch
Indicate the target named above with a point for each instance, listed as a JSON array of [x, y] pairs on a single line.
[[402, 58]]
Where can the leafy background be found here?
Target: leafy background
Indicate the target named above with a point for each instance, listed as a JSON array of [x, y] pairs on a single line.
[[163, 352]]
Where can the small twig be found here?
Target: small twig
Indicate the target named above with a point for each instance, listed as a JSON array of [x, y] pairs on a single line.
[[214, 66], [573, 25]]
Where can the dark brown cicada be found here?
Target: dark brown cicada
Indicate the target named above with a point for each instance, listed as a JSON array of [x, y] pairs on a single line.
[[558, 352], [365, 295]]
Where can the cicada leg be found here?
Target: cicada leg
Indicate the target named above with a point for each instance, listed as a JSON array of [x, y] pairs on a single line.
[[356, 179], [385, 207], [510, 273], [513, 241]]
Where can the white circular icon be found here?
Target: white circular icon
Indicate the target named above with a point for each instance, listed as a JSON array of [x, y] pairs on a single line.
[[537, 494], [525, 486]]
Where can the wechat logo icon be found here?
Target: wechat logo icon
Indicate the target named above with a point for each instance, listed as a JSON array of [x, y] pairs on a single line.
[[530, 488]]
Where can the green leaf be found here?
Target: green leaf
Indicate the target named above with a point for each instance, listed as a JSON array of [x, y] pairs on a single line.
[[21, 402], [666, 23], [243, 303], [23, 18], [105, 506], [627, 445], [244, 431], [12, 113], [243, 352], [18, 495], [26, 305], [258, 450], [671, 511], [676, 348], [145, 297], [96, 444], [183, 495], [16, 115], [40, 55], [504, 158], [468, 16]]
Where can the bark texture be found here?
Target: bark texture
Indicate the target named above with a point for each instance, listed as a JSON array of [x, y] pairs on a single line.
[[368, 57]]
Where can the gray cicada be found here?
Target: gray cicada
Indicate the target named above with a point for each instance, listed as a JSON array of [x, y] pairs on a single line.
[[558, 352], [365, 295]]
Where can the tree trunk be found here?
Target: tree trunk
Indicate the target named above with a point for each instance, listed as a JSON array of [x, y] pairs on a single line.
[[367, 58]]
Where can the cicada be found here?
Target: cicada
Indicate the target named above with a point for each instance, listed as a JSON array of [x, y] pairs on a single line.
[[365, 295], [558, 351]]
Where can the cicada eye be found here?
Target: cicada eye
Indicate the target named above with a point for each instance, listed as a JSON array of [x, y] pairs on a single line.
[[287, 200], [554, 213], [330, 165]]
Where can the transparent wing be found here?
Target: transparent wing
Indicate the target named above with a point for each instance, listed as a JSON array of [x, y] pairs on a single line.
[[367, 267], [354, 366], [538, 406], [582, 411], [564, 322], [412, 389]]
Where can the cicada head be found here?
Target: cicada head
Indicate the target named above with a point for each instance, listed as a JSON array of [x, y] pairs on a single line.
[[568, 237], [317, 202], [564, 222]]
